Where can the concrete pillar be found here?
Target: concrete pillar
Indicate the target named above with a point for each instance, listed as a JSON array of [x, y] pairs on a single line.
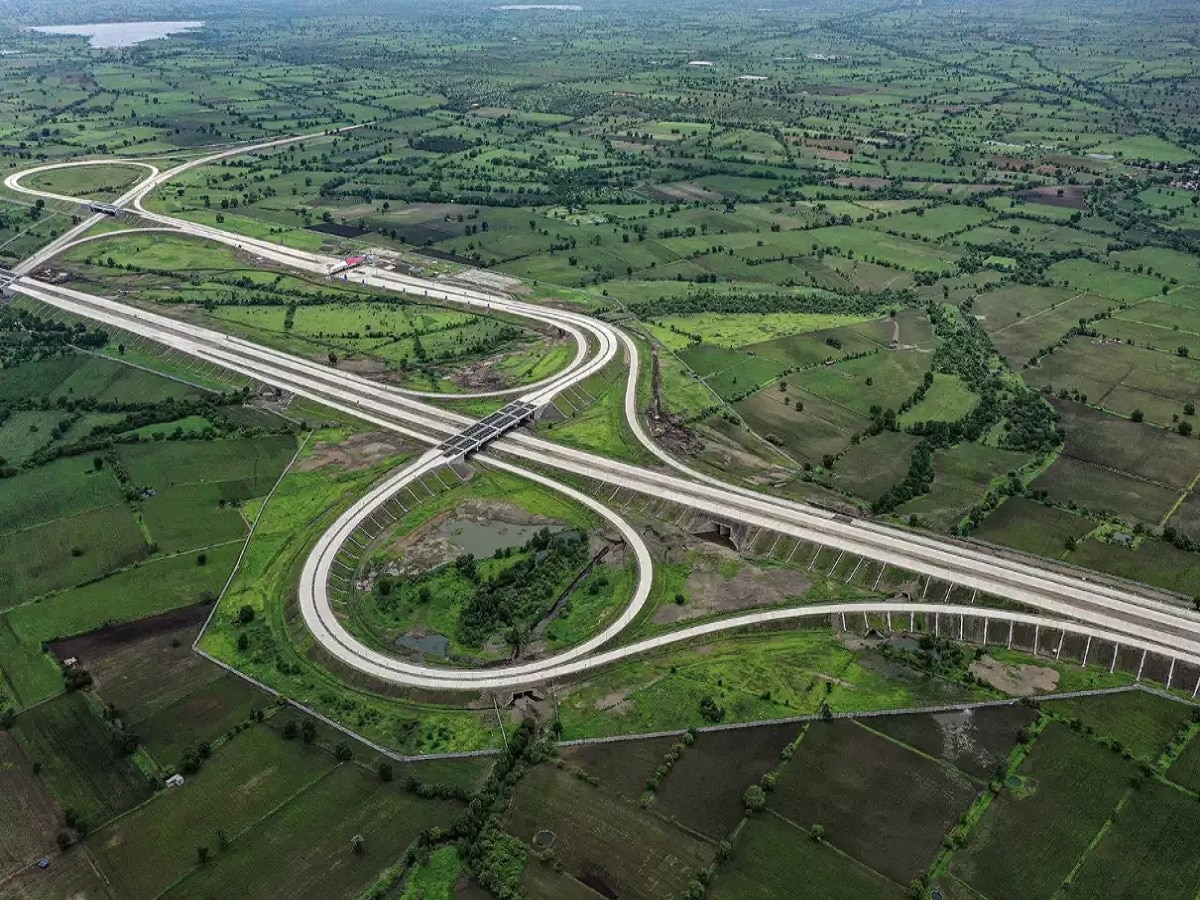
[[843, 621], [1036, 630], [1058, 650], [1086, 647], [1010, 632], [1116, 649], [1170, 673], [1141, 665], [962, 625]]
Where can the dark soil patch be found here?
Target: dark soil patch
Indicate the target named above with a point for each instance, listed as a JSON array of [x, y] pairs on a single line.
[[103, 641], [884, 805], [704, 788], [974, 740], [1074, 196], [621, 766], [345, 231]]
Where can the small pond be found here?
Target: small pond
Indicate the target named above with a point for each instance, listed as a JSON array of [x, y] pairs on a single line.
[[483, 539], [430, 644]]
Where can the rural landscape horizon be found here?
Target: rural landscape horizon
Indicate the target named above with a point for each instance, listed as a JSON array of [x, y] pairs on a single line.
[[599, 450]]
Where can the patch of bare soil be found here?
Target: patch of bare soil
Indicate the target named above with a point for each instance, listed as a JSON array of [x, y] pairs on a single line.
[[359, 451], [1019, 681], [1074, 196], [711, 590]]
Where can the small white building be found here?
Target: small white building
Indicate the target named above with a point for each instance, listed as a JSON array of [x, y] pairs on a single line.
[[175, 781]]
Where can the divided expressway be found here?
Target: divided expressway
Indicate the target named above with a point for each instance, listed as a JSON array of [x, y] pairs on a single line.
[[1056, 601]]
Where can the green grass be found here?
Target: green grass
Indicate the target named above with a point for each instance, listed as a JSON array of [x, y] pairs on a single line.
[[947, 400], [750, 677], [144, 853], [191, 516], [1032, 527], [1142, 723], [313, 832], [70, 551], [1147, 852], [61, 488], [248, 466], [435, 878]]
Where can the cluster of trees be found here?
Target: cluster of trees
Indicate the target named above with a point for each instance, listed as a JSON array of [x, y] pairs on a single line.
[[521, 593], [707, 301]]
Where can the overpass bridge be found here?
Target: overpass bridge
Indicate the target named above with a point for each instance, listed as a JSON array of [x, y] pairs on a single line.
[[478, 435]]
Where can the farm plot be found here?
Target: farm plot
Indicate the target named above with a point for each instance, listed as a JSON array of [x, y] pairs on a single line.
[[886, 806], [947, 400], [70, 551], [961, 475], [313, 832], [606, 843], [110, 381], [74, 746], [1186, 768], [898, 251], [147, 664], [200, 717], [1085, 275], [774, 859], [1102, 490], [730, 372], [1033, 527], [975, 741], [812, 349], [1134, 448], [808, 427], [245, 467], [1029, 840], [885, 379], [191, 516], [1121, 378], [621, 766], [142, 854], [1148, 852], [704, 788], [1141, 722], [1029, 336], [1152, 562], [29, 817], [874, 465], [64, 487], [1012, 304]]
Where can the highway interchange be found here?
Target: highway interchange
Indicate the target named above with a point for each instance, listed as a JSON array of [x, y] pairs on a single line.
[[1053, 600]]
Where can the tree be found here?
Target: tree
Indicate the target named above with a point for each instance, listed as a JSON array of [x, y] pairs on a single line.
[[289, 730], [343, 752], [246, 614], [308, 731], [1137, 415], [385, 772], [358, 845], [1189, 408], [1184, 428], [243, 642], [1182, 351], [202, 559], [333, 358], [202, 854], [754, 799], [817, 833]]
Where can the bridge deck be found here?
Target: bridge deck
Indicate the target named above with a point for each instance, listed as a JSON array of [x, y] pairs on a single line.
[[487, 429]]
